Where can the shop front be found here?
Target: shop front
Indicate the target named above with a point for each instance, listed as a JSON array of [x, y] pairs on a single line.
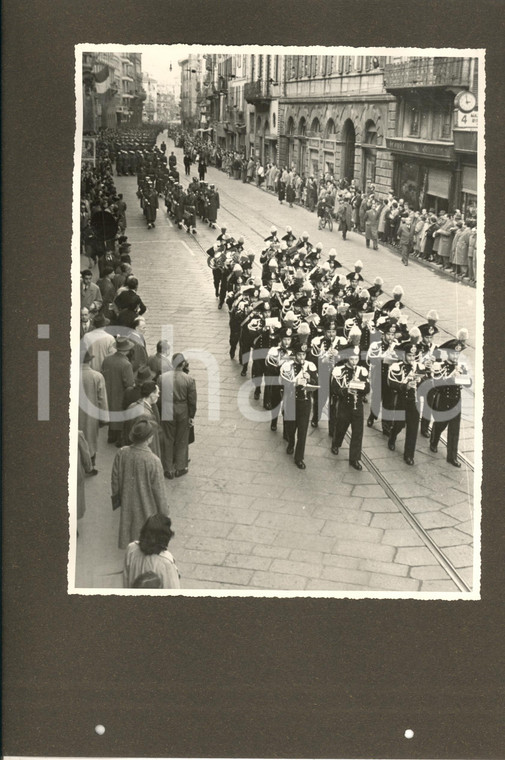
[[465, 146], [424, 173]]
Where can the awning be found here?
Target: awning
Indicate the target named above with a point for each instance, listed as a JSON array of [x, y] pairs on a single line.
[[439, 181], [469, 180]]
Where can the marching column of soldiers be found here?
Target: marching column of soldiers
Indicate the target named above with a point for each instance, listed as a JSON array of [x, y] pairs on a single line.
[[316, 338], [158, 176]]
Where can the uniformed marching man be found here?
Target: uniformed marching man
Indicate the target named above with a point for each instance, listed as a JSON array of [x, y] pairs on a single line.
[[355, 278], [350, 385], [429, 331], [449, 376], [395, 302], [299, 378], [276, 357], [324, 352], [262, 342], [404, 377]]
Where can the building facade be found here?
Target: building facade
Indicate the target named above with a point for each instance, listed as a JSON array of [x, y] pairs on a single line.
[[407, 125], [335, 116], [150, 86], [112, 90], [434, 146], [192, 71], [262, 93]]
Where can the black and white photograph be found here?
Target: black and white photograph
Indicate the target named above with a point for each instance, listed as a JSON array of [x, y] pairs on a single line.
[[277, 321]]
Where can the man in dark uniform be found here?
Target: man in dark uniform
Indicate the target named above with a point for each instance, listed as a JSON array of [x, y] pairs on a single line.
[[404, 377], [276, 357], [263, 340], [324, 352], [350, 385], [428, 331], [449, 376], [299, 378]]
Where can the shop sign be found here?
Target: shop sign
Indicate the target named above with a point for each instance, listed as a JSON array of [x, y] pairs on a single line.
[[429, 150], [466, 120]]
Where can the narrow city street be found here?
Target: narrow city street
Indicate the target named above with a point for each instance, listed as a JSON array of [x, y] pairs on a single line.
[[246, 519]]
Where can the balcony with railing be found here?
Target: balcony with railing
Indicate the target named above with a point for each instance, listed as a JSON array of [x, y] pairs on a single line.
[[258, 92], [417, 73]]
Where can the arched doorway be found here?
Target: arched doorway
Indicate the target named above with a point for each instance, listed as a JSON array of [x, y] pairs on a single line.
[[349, 147], [314, 161], [290, 131], [369, 154], [265, 158], [302, 145], [329, 147], [259, 140]]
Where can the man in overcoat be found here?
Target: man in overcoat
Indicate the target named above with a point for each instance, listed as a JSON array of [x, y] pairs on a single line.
[[118, 373]]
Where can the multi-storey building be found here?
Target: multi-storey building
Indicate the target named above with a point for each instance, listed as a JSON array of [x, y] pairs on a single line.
[[192, 71], [335, 116], [138, 95], [222, 100], [262, 93], [150, 86], [434, 145], [396, 122], [118, 99]]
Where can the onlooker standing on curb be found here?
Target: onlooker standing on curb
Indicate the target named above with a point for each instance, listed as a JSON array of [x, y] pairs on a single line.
[[118, 373], [138, 488], [93, 407], [150, 555], [371, 227], [178, 409]]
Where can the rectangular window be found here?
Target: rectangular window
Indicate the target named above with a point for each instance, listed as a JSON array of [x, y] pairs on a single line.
[[359, 63], [414, 122]]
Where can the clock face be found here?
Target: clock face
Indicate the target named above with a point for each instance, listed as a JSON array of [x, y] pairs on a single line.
[[466, 102]]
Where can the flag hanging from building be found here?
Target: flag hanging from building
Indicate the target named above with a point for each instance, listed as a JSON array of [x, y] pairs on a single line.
[[102, 80]]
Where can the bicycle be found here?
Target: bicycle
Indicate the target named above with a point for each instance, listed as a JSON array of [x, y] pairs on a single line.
[[326, 220]]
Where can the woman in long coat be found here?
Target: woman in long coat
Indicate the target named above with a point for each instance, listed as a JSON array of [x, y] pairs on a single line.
[[137, 483]]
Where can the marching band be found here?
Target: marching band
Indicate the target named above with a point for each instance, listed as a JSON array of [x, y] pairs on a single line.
[[319, 339]]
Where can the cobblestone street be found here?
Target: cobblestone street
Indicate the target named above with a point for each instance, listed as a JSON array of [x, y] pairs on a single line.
[[245, 519]]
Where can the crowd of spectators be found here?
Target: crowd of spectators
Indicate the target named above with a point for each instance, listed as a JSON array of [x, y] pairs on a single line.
[[446, 239]]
